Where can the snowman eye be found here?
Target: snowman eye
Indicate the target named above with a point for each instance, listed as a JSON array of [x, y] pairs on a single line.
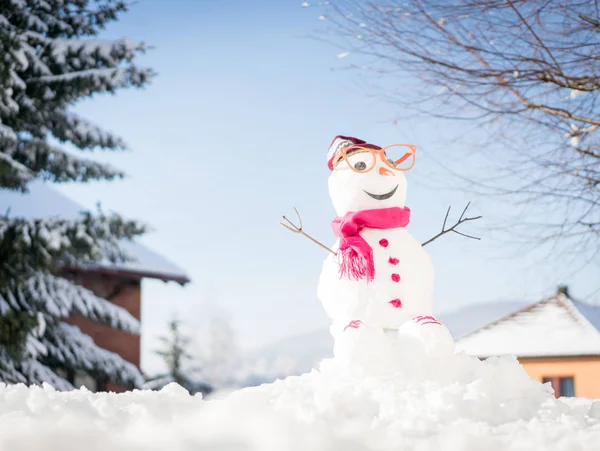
[[392, 162], [361, 161]]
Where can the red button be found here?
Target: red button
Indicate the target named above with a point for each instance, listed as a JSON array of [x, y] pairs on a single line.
[[393, 261], [384, 242], [396, 277], [397, 303]]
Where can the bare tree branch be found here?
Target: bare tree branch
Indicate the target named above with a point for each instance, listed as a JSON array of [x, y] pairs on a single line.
[[525, 74], [461, 220]]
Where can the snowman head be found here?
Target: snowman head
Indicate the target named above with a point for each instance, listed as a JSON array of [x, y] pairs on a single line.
[[365, 176]]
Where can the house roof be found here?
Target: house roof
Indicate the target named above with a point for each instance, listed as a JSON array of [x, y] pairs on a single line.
[[554, 327], [43, 201], [470, 318]]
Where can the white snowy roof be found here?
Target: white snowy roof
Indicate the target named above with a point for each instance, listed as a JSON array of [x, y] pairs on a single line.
[[554, 327], [43, 201]]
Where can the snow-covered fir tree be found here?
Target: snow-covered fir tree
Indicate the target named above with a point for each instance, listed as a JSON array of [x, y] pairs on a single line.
[[49, 60], [175, 354]]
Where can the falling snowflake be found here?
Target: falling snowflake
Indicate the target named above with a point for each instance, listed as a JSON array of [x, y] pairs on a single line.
[[305, 5], [322, 18], [343, 55]]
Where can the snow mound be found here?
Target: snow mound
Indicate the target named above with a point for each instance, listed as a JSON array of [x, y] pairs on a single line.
[[456, 403], [298, 354]]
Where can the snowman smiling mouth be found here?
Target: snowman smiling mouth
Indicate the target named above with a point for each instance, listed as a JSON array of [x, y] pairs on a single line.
[[382, 196]]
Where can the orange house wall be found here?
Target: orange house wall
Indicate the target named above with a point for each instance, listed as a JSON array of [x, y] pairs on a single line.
[[584, 370]]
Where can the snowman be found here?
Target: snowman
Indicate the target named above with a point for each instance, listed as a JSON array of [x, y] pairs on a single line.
[[376, 284]]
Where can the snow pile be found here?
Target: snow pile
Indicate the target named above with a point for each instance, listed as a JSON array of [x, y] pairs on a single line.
[[454, 403]]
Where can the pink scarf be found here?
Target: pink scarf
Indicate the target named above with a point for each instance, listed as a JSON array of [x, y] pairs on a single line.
[[356, 254]]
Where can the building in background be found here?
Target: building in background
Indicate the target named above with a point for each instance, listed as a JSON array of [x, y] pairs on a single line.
[[557, 340], [120, 283]]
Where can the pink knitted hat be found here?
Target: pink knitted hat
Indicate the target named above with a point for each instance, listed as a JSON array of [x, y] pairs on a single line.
[[339, 142]]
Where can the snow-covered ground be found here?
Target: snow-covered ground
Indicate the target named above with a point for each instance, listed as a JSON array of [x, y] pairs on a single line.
[[454, 403]]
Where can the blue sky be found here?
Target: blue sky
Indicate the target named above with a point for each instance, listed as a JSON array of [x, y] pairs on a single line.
[[233, 133]]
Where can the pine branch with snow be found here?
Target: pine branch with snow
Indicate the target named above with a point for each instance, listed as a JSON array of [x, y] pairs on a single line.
[[51, 163], [70, 349], [51, 60], [37, 373], [60, 298], [27, 246], [56, 344], [8, 370]]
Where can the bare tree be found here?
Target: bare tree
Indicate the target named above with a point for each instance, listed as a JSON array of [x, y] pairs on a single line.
[[527, 73]]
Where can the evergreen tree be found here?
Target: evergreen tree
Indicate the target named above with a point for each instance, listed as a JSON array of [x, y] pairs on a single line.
[[174, 354], [48, 63]]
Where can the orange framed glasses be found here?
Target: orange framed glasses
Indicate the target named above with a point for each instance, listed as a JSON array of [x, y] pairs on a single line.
[[399, 157]]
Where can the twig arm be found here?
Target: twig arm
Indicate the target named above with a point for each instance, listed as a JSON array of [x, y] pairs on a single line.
[[298, 229], [318, 242], [461, 220]]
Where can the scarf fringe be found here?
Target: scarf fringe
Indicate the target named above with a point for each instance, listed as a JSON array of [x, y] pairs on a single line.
[[355, 255], [354, 266]]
